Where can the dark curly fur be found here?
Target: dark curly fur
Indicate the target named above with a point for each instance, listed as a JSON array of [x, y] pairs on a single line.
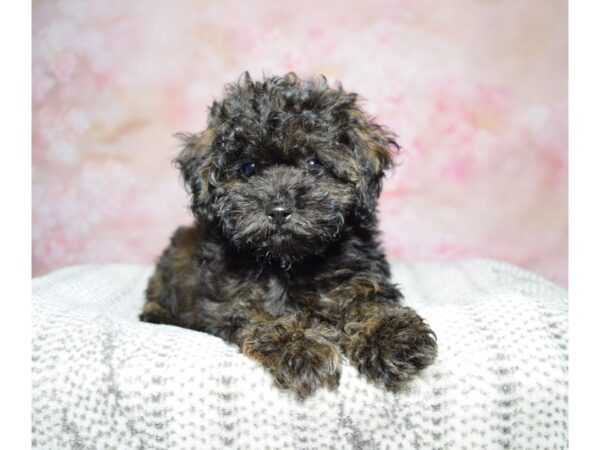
[[283, 259]]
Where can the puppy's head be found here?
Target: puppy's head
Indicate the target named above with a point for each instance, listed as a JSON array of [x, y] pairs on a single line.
[[285, 165]]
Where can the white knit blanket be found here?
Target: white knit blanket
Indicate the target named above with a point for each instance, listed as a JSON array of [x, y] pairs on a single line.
[[104, 380]]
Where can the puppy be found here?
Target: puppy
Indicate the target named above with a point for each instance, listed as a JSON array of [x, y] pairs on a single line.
[[283, 259]]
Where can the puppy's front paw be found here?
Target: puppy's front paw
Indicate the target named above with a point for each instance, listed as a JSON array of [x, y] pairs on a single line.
[[392, 348], [299, 360]]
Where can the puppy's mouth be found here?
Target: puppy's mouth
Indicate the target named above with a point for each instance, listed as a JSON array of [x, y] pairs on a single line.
[[280, 241], [276, 249], [292, 242], [283, 245]]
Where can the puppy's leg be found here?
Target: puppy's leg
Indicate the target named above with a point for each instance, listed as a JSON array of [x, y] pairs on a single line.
[[387, 342], [300, 357], [153, 312]]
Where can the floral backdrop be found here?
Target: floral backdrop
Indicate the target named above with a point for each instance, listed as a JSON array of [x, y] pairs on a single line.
[[475, 90]]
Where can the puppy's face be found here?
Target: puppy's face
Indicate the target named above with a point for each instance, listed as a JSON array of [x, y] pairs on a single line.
[[282, 204], [285, 165]]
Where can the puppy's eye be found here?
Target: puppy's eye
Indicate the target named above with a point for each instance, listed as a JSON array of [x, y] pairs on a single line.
[[248, 169], [314, 164]]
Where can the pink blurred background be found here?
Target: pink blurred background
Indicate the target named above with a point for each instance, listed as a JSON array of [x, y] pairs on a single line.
[[476, 90]]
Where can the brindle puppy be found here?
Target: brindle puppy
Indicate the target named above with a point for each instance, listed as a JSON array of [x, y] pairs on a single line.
[[283, 259]]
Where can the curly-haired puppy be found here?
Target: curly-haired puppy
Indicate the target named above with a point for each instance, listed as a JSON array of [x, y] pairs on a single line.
[[283, 259]]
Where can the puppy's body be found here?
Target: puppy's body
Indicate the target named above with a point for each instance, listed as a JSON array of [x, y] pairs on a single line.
[[283, 259]]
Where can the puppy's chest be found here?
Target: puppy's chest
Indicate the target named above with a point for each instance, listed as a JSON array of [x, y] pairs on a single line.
[[282, 296], [276, 296]]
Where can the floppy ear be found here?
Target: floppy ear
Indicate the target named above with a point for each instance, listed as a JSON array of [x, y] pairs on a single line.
[[372, 146], [195, 163]]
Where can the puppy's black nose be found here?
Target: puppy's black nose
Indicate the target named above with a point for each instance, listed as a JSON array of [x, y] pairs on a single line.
[[278, 214]]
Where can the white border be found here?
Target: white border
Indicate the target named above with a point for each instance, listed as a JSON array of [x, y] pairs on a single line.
[[584, 220], [15, 201]]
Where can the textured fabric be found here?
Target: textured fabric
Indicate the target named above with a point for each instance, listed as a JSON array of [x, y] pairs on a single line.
[[104, 380]]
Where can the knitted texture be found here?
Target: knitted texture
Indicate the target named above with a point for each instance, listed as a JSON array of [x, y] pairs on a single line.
[[104, 380]]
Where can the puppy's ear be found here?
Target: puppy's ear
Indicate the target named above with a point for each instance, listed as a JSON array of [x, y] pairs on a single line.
[[195, 163], [372, 146]]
